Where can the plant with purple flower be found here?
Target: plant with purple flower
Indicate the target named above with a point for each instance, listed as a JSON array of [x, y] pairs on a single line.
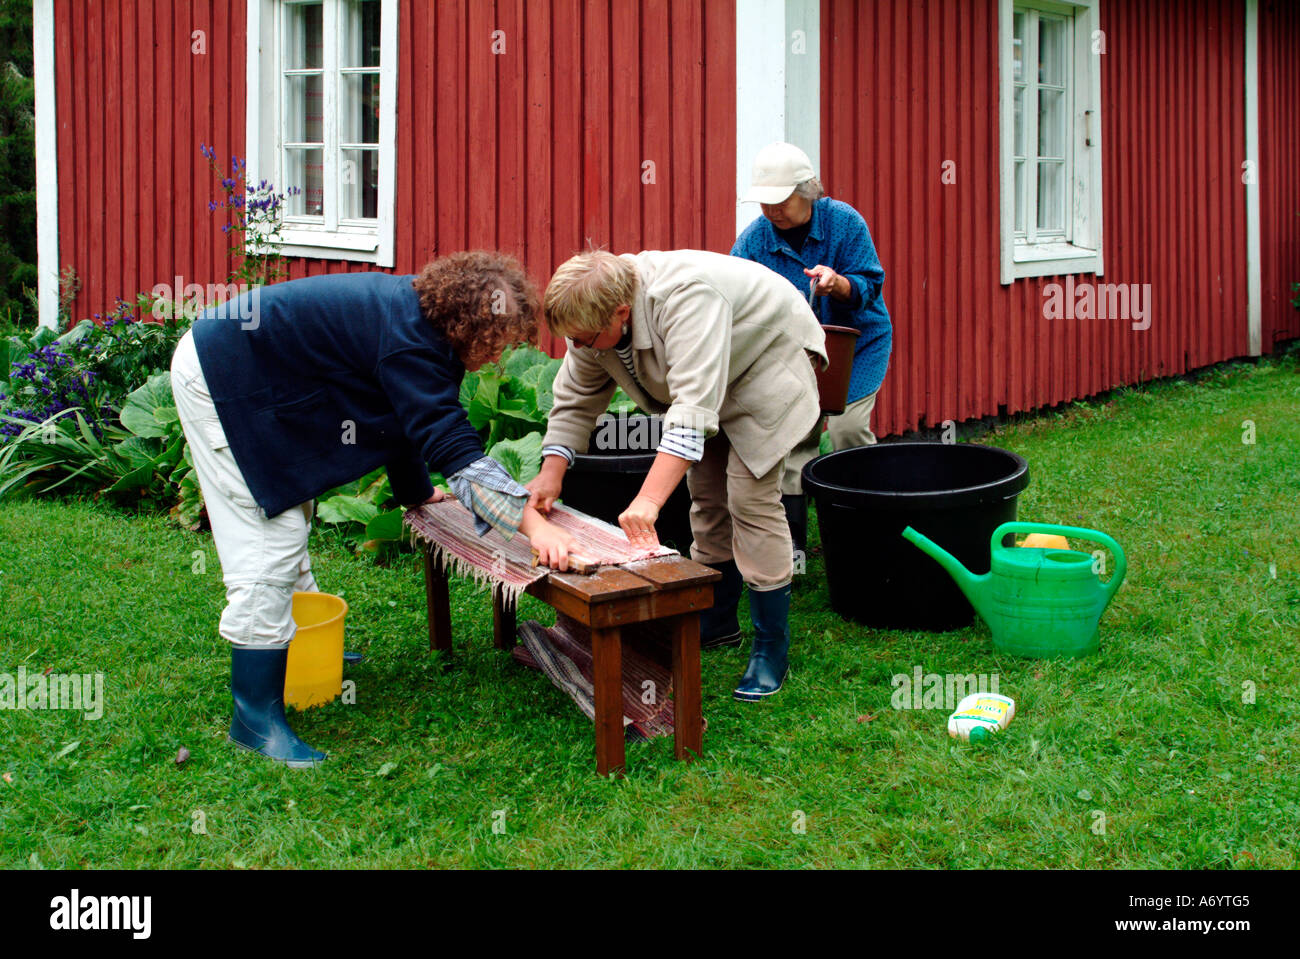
[[253, 220]]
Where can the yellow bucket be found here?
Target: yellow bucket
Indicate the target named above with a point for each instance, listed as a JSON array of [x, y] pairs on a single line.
[[314, 675]]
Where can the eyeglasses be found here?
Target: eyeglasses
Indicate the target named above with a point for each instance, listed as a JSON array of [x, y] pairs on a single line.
[[587, 343]]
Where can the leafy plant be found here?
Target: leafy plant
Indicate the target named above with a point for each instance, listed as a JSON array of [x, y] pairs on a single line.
[[252, 221], [140, 460], [364, 515]]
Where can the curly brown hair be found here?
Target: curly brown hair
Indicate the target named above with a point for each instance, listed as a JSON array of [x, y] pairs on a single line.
[[482, 301]]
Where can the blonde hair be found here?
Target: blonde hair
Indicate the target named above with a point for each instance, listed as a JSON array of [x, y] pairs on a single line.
[[586, 290]]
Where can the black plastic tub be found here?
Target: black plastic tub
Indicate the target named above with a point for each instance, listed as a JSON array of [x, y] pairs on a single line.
[[605, 479], [956, 494]]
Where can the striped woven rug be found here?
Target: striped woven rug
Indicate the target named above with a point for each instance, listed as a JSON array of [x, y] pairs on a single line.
[[448, 527], [563, 653]]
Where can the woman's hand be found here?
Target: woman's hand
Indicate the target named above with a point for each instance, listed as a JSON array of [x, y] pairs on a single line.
[[638, 522], [544, 488], [830, 283], [553, 545], [437, 497]]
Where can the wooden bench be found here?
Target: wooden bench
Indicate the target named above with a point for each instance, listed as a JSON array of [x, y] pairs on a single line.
[[671, 588]]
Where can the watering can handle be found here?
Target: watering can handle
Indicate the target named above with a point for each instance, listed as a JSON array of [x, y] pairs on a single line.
[[1077, 532]]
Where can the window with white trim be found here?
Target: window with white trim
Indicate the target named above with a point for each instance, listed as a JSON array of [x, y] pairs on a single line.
[[322, 106], [1050, 138]]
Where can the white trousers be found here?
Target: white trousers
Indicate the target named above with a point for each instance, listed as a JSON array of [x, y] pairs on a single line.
[[263, 561]]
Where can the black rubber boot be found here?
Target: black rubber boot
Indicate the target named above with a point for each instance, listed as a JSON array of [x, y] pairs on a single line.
[[719, 626], [796, 515], [257, 684], [769, 660]]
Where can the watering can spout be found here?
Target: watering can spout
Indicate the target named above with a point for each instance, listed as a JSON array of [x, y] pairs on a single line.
[[975, 588]]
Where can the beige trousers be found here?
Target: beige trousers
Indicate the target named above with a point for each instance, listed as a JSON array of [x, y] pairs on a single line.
[[851, 428], [737, 515], [263, 561]]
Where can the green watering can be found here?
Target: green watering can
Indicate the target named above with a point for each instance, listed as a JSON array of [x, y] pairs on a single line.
[[1038, 602]]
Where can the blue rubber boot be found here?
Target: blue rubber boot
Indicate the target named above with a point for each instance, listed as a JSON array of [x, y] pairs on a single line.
[[719, 625], [257, 684], [769, 660]]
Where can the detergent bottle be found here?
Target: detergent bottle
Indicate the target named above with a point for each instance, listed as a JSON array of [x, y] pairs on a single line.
[[980, 715]]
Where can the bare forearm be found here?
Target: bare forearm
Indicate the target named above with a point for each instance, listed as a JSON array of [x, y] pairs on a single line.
[[667, 471]]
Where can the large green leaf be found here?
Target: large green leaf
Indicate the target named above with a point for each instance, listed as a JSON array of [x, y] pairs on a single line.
[[150, 410], [485, 404], [77, 333], [516, 361], [346, 509], [387, 525], [139, 478], [522, 457], [137, 451], [45, 336], [468, 388]]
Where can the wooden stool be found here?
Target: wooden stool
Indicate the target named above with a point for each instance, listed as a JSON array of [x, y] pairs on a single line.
[[670, 588]]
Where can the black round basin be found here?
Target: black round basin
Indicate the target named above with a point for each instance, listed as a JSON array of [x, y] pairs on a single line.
[[956, 494], [605, 479]]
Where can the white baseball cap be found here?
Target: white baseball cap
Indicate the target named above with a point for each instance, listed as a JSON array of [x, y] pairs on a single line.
[[778, 169]]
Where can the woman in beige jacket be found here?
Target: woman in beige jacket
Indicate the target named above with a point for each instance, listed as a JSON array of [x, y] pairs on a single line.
[[720, 346]]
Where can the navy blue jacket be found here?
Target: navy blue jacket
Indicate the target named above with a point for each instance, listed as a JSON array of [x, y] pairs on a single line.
[[321, 380]]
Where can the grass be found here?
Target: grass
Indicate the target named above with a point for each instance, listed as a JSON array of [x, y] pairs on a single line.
[[1154, 733]]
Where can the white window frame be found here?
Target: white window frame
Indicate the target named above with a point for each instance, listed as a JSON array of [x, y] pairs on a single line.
[[1081, 250], [329, 238]]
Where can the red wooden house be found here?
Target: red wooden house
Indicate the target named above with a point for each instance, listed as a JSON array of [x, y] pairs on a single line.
[[1067, 195]]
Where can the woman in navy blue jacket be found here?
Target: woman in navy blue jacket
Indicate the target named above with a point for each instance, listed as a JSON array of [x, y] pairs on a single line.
[[815, 241], [295, 388]]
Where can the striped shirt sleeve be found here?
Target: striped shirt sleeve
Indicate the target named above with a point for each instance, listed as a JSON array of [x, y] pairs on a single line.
[[557, 450], [684, 442], [487, 491]]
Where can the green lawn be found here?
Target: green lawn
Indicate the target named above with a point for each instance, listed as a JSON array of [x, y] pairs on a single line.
[[1153, 733]]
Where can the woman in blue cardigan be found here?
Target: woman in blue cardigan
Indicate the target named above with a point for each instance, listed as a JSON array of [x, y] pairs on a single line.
[[811, 239], [295, 388]]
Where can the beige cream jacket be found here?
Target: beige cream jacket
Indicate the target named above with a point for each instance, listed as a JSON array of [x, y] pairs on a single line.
[[718, 343]]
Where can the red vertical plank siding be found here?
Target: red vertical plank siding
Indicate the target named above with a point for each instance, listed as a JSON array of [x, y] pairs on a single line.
[[656, 128], [141, 26], [540, 225], [481, 123], [924, 89], [596, 122], [718, 144], [625, 143], [512, 159], [66, 96], [1279, 170], [534, 151]]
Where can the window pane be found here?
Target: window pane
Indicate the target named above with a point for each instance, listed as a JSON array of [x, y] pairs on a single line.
[[1018, 45], [305, 169], [303, 30], [1051, 196], [359, 184], [1051, 123], [1018, 138], [1020, 196], [359, 34], [359, 120], [304, 109], [1051, 51]]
